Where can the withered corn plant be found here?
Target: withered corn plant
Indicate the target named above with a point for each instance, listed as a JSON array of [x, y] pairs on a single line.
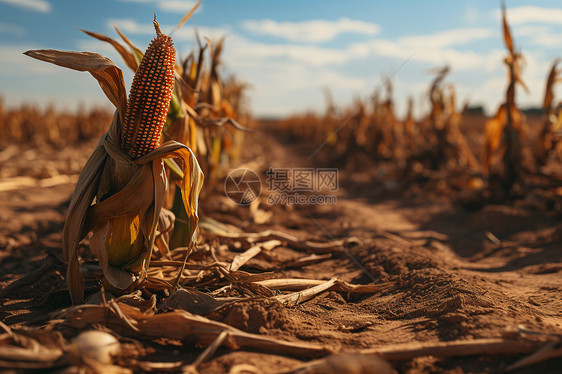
[[330, 122], [352, 137], [394, 128], [202, 103], [548, 139], [220, 104], [440, 143], [28, 124], [120, 192], [379, 134], [437, 121], [411, 130], [505, 133], [203, 115]]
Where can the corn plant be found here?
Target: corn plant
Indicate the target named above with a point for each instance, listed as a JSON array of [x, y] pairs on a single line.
[[411, 130], [548, 139], [203, 114], [505, 132], [394, 128], [120, 192], [440, 142]]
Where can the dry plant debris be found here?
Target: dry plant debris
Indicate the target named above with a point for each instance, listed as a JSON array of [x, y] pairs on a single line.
[[145, 274]]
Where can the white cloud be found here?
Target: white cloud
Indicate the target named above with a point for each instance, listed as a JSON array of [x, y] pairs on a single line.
[[540, 36], [176, 6], [130, 26], [10, 28], [447, 38], [171, 6], [288, 78], [306, 55], [458, 59], [313, 31], [281, 75], [97, 46], [533, 14], [471, 14], [187, 32], [281, 88], [250, 50], [548, 40], [41, 6]]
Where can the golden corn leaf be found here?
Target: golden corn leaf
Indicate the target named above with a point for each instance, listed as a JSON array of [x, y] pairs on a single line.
[[551, 80], [137, 53], [493, 135], [127, 56], [187, 16], [506, 32]]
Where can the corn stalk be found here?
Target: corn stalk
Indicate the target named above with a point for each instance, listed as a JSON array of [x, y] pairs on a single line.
[[503, 149], [120, 193]]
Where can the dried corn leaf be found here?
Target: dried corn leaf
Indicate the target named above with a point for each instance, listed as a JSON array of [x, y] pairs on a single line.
[[519, 80], [181, 325], [290, 284], [312, 287], [186, 17], [241, 259], [31, 349], [307, 260], [493, 135], [127, 56], [489, 346], [137, 53], [549, 89], [344, 363], [291, 240], [195, 302], [210, 350], [302, 296], [506, 32], [548, 351]]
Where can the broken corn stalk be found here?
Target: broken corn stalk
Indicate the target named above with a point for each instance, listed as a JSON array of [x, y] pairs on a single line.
[[120, 192]]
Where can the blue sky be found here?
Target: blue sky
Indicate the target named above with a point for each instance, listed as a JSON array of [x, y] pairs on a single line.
[[289, 51]]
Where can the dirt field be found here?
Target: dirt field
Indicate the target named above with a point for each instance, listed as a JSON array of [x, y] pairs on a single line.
[[448, 270]]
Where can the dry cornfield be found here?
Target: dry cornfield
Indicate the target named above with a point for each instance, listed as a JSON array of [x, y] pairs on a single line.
[[433, 248]]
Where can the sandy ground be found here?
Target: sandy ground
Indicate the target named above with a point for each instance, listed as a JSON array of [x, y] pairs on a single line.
[[455, 273]]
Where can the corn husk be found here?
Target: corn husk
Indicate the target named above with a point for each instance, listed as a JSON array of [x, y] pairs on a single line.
[[112, 186]]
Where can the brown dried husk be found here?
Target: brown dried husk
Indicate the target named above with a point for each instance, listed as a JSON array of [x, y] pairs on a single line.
[[130, 187]]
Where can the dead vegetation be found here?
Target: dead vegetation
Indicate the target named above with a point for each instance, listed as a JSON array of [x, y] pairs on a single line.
[[50, 127], [161, 285], [507, 163]]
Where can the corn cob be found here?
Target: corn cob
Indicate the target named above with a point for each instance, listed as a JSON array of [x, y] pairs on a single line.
[[149, 98]]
